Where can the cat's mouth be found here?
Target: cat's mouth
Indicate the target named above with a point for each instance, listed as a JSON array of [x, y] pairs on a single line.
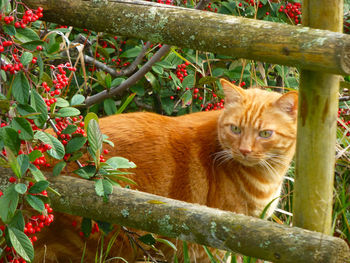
[[248, 160]]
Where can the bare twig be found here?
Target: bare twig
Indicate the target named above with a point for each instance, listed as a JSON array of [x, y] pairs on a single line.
[[100, 65], [345, 98], [131, 234], [127, 71], [137, 75]]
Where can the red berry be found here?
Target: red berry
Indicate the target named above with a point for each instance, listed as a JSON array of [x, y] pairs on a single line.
[[12, 179]]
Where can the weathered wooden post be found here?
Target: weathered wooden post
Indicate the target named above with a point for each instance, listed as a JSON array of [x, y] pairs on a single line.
[[317, 120]]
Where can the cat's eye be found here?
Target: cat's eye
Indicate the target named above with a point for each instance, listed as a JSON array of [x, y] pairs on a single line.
[[265, 133], [235, 129]]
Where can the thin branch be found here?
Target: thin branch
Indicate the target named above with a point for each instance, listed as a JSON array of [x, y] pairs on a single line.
[[345, 98], [137, 75], [100, 65], [127, 71], [131, 234]]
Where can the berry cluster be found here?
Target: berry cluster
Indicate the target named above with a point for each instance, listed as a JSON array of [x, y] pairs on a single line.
[[293, 11], [344, 122], [166, 2], [211, 9], [28, 17], [253, 3], [41, 161], [34, 225], [181, 71]]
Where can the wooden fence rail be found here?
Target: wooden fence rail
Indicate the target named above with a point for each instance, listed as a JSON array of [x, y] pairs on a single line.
[[195, 223], [312, 49]]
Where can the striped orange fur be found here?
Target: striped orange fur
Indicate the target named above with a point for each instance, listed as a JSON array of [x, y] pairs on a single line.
[[234, 159]]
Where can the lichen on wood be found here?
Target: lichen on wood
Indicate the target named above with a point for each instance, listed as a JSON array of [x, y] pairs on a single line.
[[223, 34]]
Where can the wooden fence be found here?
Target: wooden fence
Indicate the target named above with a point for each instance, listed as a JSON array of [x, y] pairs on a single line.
[[319, 53]]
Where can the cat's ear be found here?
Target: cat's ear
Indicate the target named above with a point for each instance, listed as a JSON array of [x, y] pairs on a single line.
[[232, 92], [288, 103]]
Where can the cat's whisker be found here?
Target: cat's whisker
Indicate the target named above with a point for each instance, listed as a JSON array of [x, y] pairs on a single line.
[[271, 170], [222, 157]]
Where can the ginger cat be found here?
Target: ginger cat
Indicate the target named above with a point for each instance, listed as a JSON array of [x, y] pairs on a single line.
[[234, 159]]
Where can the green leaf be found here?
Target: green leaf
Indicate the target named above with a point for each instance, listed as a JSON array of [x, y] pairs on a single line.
[[186, 98], [35, 202], [9, 29], [103, 187], [23, 162], [86, 226], [131, 53], [21, 243], [17, 221], [34, 155], [166, 242], [138, 89], [207, 80], [25, 127], [38, 187], [116, 82], [68, 112], [153, 81], [148, 239], [70, 129], [185, 252], [157, 69], [26, 58], [62, 103], [27, 111], [38, 103], [5, 104], [87, 119], [189, 81], [38, 175], [57, 150], [41, 66], [86, 172], [26, 35], [31, 45], [210, 255], [58, 168], [120, 162], [108, 81], [126, 103], [20, 88], [115, 177], [8, 203], [75, 156], [75, 144], [52, 48], [95, 138], [11, 139], [105, 226], [109, 106], [167, 105], [77, 99], [12, 161], [20, 188]]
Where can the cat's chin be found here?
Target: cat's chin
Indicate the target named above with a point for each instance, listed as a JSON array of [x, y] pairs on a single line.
[[250, 162]]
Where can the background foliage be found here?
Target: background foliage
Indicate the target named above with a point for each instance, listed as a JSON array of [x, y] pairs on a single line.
[[48, 71]]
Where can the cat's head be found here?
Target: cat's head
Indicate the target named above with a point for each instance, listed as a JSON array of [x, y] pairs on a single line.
[[258, 126]]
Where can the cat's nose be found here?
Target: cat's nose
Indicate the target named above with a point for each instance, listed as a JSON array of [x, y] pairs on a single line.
[[245, 151]]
